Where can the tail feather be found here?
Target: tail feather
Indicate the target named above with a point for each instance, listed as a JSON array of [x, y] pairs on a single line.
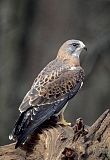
[[18, 125], [31, 124], [32, 118]]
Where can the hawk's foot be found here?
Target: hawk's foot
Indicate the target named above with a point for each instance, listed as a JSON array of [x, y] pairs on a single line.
[[64, 123]]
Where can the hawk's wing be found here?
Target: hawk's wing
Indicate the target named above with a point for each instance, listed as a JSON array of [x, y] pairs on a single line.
[[50, 87]]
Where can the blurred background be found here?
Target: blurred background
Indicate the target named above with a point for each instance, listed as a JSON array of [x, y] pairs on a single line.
[[31, 32]]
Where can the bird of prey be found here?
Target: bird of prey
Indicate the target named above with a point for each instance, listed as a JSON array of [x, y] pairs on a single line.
[[55, 85]]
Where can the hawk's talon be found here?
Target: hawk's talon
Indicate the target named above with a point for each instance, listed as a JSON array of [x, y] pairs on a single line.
[[64, 123]]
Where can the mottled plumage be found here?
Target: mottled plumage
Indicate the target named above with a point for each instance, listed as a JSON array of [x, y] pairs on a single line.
[[56, 84]]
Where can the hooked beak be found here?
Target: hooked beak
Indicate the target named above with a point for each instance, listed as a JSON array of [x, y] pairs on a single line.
[[85, 48]]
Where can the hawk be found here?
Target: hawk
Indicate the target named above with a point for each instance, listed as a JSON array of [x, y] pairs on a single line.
[[55, 85]]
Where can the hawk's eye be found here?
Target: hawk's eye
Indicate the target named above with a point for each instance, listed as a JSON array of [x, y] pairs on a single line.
[[75, 44]]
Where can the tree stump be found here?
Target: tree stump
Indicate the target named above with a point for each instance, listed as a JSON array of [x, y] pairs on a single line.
[[55, 142]]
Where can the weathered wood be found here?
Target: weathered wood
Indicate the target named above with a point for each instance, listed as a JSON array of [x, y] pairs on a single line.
[[79, 142]]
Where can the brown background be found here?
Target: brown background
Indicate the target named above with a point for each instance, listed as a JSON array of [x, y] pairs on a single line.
[[31, 32]]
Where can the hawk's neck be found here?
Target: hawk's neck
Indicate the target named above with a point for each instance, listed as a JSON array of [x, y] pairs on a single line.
[[69, 59]]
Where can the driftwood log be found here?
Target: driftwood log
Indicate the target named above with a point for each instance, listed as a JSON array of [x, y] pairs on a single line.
[[79, 142]]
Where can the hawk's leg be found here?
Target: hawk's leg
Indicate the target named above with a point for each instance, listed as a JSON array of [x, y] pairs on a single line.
[[61, 119]]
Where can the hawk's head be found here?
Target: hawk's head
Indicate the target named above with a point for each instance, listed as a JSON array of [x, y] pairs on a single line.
[[72, 47]]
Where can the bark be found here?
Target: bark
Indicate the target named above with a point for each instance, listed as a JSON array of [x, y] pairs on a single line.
[[54, 142]]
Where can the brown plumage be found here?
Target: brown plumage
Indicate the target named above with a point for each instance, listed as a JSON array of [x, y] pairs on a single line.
[[56, 84]]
